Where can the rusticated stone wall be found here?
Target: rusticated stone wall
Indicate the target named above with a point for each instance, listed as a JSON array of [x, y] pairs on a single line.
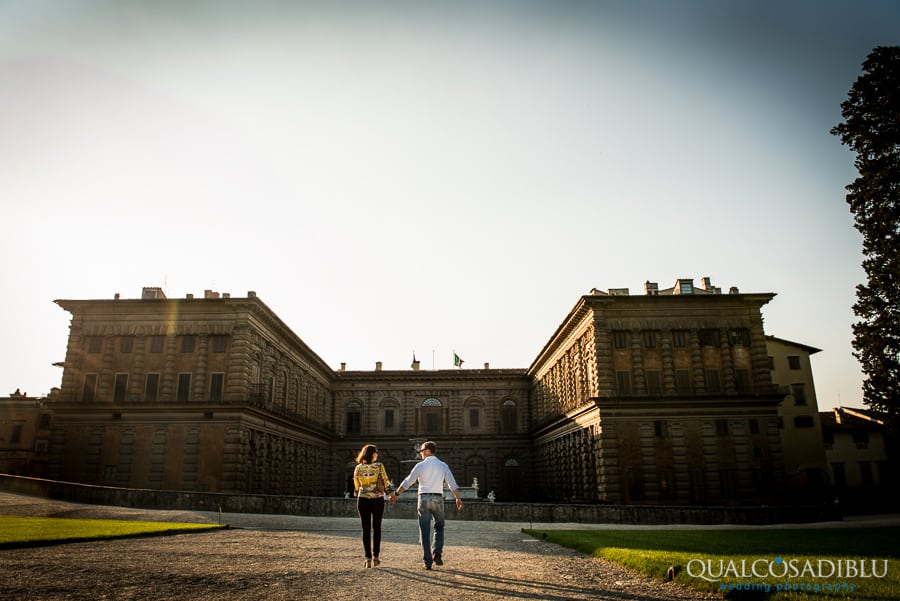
[[525, 513]]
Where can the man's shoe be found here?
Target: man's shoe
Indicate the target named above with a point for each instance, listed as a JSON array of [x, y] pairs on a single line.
[[438, 560], [426, 566]]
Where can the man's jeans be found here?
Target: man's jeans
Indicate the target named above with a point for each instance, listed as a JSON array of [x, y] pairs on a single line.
[[431, 506]]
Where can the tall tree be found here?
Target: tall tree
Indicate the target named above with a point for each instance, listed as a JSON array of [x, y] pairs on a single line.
[[871, 129]]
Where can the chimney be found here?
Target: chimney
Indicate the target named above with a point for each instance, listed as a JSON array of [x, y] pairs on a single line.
[[116, 296], [733, 290], [416, 364], [189, 296], [343, 366], [226, 295], [378, 366], [251, 294], [210, 294], [152, 292], [651, 288], [487, 365], [707, 283]]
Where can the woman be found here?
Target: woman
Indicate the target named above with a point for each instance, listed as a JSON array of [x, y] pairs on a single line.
[[371, 484]]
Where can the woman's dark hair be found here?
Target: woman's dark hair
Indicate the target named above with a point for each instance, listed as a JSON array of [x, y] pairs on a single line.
[[367, 454]]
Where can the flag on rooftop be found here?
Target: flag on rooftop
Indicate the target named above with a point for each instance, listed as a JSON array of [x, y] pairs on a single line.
[[457, 362]]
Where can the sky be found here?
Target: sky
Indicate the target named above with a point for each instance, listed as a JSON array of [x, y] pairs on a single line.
[[428, 177]]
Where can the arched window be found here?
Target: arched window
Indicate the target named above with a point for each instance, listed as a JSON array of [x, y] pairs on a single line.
[[354, 417], [512, 480], [509, 416], [431, 416]]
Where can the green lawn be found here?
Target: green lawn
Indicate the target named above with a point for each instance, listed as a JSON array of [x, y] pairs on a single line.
[[24, 531], [726, 559]]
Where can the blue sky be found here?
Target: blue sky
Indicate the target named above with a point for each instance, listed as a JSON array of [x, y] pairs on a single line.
[[428, 176]]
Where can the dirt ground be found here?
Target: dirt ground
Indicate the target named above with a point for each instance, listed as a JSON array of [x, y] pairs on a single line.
[[290, 557]]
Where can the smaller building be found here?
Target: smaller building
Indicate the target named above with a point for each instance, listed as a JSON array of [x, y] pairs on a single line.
[[801, 438], [24, 434], [857, 448]]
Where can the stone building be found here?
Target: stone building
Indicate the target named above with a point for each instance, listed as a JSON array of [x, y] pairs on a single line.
[[24, 434], [660, 398], [207, 394], [859, 449]]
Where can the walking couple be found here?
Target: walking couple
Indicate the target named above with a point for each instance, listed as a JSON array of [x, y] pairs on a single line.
[[372, 484]]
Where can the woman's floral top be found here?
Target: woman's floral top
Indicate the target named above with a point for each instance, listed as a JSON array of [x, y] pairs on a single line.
[[371, 480]]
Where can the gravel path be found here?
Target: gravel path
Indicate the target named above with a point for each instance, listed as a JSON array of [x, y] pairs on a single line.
[[291, 557]]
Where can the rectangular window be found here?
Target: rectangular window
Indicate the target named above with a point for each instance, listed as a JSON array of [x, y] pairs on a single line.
[[798, 391], [216, 386], [866, 474], [679, 338], [683, 381], [620, 339], [151, 389], [184, 387], [431, 423], [709, 338], [623, 383], [126, 343], [739, 337], [187, 344], [219, 343], [713, 382], [121, 388], [754, 426], [90, 387], [803, 421], [95, 344], [654, 385], [17, 433], [742, 380], [388, 418], [793, 362], [861, 439], [156, 344], [473, 418], [721, 427], [771, 363], [661, 429], [649, 338]]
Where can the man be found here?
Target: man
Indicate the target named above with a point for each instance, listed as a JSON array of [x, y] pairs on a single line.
[[430, 473]]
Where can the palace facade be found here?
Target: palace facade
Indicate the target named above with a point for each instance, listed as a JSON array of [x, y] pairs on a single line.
[[664, 397]]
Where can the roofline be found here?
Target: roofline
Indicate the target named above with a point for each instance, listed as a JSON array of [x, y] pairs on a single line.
[[810, 349], [253, 303], [585, 301], [433, 373]]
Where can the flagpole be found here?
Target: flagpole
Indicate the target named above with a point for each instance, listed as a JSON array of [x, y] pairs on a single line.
[[432, 359]]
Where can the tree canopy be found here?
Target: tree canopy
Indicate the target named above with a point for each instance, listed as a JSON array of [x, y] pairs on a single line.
[[871, 129]]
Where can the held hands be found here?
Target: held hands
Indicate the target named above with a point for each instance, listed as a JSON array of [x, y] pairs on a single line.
[[392, 497]]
